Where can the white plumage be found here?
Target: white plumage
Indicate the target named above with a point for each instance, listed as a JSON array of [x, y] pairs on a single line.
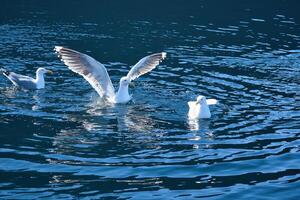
[[200, 108], [96, 74], [26, 81]]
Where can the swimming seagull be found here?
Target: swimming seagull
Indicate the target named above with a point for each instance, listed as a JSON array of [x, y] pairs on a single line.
[[96, 74], [200, 108], [26, 81]]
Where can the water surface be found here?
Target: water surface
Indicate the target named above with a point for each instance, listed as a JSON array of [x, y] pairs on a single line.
[[63, 142]]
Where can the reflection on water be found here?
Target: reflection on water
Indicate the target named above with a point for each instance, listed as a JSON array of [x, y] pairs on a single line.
[[132, 119], [201, 125], [65, 142], [129, 117]]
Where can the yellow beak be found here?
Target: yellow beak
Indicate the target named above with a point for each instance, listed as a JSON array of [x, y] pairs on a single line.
[[49, 72]]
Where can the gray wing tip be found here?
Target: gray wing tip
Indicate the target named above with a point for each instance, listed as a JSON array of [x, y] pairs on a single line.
[[163, 55]]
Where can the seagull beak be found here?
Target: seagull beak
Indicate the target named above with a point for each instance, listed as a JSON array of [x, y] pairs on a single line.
[[49, 72]]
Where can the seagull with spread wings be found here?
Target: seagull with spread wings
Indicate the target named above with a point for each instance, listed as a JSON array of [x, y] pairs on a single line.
[[96, 74]]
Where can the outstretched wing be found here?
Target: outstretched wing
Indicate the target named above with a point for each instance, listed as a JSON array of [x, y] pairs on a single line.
[[145, 65], [92, 70]]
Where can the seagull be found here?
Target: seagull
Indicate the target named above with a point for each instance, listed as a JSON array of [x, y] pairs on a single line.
[[96, 74], [26, 81], [200, 108]]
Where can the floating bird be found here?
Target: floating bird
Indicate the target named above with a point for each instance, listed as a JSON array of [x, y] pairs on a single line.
[[200, 108], [26, 81], [96, 74]]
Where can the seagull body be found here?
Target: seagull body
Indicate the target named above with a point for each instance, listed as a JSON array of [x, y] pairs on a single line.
[[96, 74], [200, 108], [26, 81]]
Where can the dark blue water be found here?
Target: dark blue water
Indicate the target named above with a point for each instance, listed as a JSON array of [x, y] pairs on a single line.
[[63, 142]]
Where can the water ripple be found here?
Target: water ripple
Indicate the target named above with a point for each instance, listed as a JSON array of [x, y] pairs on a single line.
[[65, 142]]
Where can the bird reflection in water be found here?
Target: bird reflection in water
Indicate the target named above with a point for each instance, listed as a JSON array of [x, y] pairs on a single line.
[[102, 123], [38, 100], [133, 118], [129, 117], [201, 127]]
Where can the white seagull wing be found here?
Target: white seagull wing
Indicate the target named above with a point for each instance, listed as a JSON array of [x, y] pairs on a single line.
[[21, 80], [92, 70], [145, 65], [20, 77]]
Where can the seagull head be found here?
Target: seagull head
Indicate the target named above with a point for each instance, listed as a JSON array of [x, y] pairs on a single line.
[[42, 70], [201, 100], [124, 81]]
